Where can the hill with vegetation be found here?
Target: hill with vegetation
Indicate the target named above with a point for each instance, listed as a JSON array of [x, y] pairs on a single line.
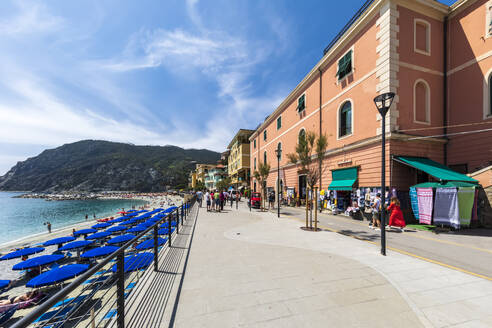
[[96, 165]]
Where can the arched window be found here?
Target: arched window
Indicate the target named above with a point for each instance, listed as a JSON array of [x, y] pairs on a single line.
[[345, 120], [302, 134], [421, 102], [264, 158]]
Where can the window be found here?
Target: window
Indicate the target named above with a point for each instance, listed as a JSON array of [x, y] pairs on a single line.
[[264, 135], [345, 65], [345, 120], [254, 144], [254, 164], [279, 122], [302, 134], [421, 37], [421, 102], [301, 103], [279, 147], [264, 158]]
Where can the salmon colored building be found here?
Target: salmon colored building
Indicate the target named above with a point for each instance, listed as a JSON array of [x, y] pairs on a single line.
[[437, 59]]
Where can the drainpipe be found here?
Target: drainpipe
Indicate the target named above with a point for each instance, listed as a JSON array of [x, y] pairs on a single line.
[[320, 118], [445, 87]]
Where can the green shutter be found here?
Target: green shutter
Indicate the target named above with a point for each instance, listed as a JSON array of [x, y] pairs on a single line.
[[344, 65], [279, 122], [301, 103]]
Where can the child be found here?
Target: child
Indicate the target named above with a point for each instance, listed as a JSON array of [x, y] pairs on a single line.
[[376, 208], [396, 217]]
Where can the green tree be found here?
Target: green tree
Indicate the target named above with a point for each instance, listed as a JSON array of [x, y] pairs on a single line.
[[224, 183], [200, 185], [261, 175]]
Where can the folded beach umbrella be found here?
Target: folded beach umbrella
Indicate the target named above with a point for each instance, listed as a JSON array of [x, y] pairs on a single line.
[[101, 225], [76, 244], [22, 252], [98, 235], [116, 229], [100, 251], [128, 223], [57, 275], [84, 232], [138, 228], [120, 239], [4, 283], [149, 243], [38, 261], [58, 241], [135, 262], [166, 224]]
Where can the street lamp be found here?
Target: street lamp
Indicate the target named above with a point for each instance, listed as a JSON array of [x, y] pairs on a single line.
[[383, 103], [278, 151]]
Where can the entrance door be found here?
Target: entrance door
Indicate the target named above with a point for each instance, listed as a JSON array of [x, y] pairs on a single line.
[[302, 187]]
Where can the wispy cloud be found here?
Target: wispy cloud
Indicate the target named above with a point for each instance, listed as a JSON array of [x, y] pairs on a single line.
[[30, 18]]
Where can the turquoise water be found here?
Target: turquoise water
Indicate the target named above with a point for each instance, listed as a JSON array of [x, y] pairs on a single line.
[[21, 217]]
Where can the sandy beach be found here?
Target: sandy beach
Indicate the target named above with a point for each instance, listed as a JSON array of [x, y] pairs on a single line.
[[18, 285]]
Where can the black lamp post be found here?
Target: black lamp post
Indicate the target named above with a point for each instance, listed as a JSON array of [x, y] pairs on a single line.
[[278, 151], [383, 103]]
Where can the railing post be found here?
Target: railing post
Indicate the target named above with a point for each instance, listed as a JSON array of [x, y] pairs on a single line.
[[156, 254], [120, 290], [177, 222], [169, 218]]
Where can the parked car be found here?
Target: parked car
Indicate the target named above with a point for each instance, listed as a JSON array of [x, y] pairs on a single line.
[[256, 200]]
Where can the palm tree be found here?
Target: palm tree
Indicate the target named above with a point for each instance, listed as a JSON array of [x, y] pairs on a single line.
[[261, 175]]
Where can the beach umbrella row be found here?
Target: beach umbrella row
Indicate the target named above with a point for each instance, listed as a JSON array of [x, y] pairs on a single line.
[[58, 241], [83, 232], [101, 225], [100, 251], [149, 243], [135, 262], [38, 261], [76, 244], [22, 252], [121, 239], [57, 275]]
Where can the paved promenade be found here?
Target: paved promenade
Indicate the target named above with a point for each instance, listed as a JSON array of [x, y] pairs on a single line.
[[250, 269]]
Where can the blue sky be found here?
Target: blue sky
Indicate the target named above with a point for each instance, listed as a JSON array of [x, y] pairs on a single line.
[[187, 73]]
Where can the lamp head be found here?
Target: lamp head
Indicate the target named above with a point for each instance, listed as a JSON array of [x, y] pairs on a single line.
[[383, 102], [278, 151]]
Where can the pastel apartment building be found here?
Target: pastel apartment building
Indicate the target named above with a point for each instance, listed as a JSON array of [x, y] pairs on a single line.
[[238, 167], [435, 58]]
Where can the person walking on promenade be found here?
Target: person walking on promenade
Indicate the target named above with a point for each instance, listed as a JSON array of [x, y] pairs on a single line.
[[222, 200], [212, 197], [271, 200], [231, 197], [396, 217], [199, 196], [217, 201], [208, 200], [376, 209]]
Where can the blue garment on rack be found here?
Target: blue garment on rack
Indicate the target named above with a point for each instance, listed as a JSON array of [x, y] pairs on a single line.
[[414, 201], [446, 211]]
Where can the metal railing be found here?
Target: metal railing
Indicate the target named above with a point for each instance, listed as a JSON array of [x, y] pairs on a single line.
[[75, 312]]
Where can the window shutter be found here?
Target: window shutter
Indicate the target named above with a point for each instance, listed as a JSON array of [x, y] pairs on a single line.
[[301, 103]]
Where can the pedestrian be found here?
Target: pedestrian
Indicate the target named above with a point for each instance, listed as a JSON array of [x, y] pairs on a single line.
[[231, 196], [86, 217], [94, 216], [212, 197], [24, 257], [271, 200], [376, 210], [368, 208], [208, 200], [217, 201], [396, 217], [73, 232], [48, 224], [199, 196]]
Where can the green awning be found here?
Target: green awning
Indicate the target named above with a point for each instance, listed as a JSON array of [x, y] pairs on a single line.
[[434, 169], [343, 179]]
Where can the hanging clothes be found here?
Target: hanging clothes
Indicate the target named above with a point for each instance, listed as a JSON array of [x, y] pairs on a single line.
[[414, 202], [475, 203], [466, 199], [424, 196], [446, 211]]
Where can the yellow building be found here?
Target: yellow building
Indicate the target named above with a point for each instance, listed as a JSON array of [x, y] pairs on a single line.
[[201, 171], [192, 180], [238, 166]]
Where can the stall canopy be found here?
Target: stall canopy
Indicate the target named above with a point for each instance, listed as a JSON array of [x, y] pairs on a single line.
[[434, 169], [343, 179]]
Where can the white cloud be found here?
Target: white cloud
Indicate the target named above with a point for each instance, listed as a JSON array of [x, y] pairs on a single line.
[[31, 18]]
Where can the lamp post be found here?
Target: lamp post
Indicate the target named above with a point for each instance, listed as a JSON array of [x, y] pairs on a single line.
[[383, 103], [278, 151]]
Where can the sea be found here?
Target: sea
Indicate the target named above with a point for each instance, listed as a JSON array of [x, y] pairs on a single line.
[[22, 217]]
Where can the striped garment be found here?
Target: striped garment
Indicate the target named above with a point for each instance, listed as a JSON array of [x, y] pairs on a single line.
[[424, 196]]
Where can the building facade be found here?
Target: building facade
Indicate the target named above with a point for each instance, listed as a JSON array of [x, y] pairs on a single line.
[[435, 58], [239, 168], [214, 175], [201, 171]]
